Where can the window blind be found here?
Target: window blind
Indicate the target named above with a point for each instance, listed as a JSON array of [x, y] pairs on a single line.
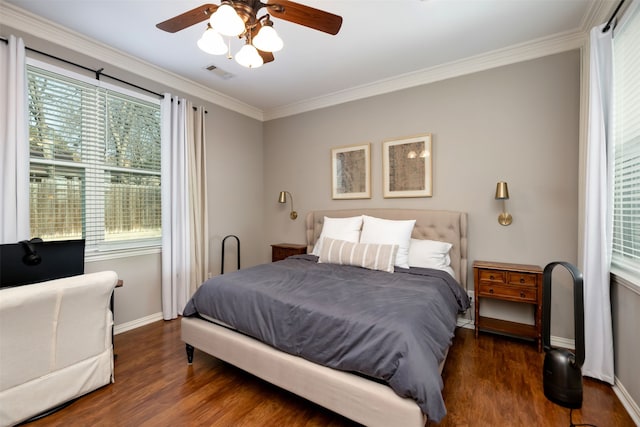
[[626, 136], [94, 163]]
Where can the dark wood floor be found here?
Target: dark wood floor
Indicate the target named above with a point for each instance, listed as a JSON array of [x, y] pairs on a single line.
[[491, 381]]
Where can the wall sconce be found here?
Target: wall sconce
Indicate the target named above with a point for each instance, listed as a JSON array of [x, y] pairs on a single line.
[[502, 193], [283, 199]]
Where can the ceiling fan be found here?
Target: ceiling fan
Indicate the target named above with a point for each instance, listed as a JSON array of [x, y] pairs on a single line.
[[239, 18]]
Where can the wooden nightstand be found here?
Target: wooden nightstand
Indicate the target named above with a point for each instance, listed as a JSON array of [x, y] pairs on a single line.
[[282, 250], [509, 282]]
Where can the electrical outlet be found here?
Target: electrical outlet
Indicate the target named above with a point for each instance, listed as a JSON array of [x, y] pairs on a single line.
[[470, 294]]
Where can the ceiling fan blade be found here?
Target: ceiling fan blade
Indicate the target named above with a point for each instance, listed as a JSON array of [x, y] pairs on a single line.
[[305, 15], [266, 56], [187, 19]]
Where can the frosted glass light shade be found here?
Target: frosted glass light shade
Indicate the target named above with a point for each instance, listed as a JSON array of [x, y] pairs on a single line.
[[268, 40], [226, 21], [249, 57], [212, 42]]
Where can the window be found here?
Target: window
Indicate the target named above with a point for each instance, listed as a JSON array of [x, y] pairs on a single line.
[[94, 161], [626, 136]]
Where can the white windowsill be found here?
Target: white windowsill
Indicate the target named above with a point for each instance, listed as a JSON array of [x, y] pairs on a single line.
[[122, 253], [624, 279]]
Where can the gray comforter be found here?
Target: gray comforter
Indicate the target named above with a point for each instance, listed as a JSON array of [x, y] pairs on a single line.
[[392, 327]]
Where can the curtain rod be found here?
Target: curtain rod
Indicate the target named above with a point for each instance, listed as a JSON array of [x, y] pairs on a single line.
[[615, 12], [194, 107], [98, 73]]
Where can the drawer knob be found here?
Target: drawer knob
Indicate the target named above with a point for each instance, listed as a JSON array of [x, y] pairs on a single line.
[[491, 277], [491, 290], [522, 295], [522, 280]]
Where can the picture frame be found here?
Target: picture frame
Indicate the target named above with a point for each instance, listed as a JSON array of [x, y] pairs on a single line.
[[407, 167], [351, 172]]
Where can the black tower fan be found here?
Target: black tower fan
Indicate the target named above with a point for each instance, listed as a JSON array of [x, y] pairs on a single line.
[[562, 374]]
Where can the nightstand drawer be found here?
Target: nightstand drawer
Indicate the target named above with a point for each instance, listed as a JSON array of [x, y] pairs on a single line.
[[523, 279], [492, 276], [509, 292]]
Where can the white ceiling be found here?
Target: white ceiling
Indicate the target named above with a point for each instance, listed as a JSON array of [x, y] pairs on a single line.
[[380, 40]]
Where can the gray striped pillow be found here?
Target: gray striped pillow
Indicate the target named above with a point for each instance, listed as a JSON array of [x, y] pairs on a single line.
[[373, 256]]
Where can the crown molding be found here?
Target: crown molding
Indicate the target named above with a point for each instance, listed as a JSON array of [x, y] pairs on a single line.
[[497, 58], [597, 14], [36, 26], [32, 24]]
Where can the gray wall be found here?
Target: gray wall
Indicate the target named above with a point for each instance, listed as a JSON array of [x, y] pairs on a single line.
[[517, 123]]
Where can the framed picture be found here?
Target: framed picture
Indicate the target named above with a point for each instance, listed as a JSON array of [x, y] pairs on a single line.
[[406, 167], [351, 172]]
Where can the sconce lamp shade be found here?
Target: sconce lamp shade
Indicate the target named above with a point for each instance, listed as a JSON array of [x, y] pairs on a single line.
[[502, 191], [283, 199]]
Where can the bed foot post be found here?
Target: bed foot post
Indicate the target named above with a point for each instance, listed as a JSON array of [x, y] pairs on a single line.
[[189, 349]]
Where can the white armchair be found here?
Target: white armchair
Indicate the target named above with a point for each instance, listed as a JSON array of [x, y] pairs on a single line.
[[57, 343]]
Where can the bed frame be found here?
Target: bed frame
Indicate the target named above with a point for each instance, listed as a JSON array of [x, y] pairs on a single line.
[[362, 400]]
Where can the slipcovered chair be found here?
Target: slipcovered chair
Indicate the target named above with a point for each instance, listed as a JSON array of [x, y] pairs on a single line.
[[56, 343]]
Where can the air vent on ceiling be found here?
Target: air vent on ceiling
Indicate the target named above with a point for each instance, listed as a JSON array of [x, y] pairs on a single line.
[[224, 75]]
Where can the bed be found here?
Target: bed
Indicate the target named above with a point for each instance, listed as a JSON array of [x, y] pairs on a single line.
[[364, 396]]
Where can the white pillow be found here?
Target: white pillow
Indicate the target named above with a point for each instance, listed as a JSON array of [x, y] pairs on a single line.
[[339, 228], [366, 255], [389, 232], [430, 254]]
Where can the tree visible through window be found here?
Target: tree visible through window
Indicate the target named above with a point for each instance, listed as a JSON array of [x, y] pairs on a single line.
[[94, 162]]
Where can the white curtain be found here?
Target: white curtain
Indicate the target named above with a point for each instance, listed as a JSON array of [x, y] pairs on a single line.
[[199, 232], [175, 219], [596, 256], [184, 212], [14, 143]]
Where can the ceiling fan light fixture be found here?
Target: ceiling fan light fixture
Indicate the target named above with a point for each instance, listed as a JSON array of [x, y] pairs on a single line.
[[212, 42], [267, 39], [249, 57], [239, 18], [226, 21]]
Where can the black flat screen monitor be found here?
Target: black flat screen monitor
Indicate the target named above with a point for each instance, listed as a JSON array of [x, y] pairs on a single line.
[[21, 265]]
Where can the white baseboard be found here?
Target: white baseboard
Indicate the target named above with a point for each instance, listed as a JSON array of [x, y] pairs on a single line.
[[124, 327], [627, 401], [563, 343], [464, 322]]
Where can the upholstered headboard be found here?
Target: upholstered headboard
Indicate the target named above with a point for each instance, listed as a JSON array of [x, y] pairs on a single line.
[[446, 226]]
